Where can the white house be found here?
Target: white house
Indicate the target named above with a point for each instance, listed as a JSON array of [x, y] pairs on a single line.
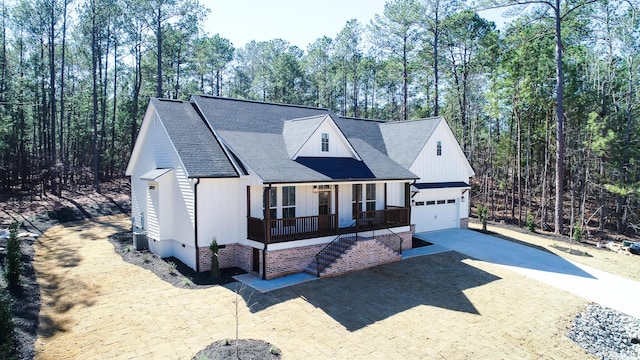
[[286, 188]]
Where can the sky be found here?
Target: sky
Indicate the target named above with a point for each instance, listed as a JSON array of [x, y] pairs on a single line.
[[301, 22]]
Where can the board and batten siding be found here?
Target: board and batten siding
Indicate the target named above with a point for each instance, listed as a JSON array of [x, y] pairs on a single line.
[[338, 146], [221, 211], [173, 226], [450, 166]]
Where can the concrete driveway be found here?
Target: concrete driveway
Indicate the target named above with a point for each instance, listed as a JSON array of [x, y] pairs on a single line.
[[537, 263]]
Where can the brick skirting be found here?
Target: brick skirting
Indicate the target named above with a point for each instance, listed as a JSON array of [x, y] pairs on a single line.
[[365, 254]]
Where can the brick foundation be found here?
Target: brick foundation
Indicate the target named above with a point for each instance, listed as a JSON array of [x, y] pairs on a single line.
[[290, 261], [392, 241], [229, 256], [363, 255]]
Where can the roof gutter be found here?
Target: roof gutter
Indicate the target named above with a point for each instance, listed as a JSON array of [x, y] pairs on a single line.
[[195, 220]]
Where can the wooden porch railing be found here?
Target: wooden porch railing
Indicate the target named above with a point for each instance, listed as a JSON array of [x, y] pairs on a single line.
[[297, 228], [306, 227], [379, 219]]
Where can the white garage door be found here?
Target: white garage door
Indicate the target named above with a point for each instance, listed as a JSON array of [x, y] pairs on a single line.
[[430, 215]]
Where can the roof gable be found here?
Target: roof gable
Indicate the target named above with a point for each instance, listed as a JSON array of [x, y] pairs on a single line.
[[198, 150], [304, 137], [405, 140]]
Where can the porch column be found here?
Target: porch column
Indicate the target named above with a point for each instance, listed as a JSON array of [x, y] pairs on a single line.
[[337, 224], [266, 215], [407, 200]]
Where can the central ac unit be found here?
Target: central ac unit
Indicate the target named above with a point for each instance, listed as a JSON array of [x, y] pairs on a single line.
[[140, 241]]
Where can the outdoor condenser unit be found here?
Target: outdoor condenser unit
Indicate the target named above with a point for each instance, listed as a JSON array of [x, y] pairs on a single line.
[[140, 241]]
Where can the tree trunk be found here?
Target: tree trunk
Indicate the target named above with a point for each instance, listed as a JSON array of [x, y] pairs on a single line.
[[559, 218]]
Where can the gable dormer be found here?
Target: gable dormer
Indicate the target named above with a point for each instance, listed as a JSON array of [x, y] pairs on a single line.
[[316, 136]]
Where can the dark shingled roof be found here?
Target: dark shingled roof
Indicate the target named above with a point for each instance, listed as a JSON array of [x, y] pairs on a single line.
[[337, 168], [405, 139], [262, 135], [198, 149]]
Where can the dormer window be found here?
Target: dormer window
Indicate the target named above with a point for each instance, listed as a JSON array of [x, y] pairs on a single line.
[[325, 142], [439, 148]]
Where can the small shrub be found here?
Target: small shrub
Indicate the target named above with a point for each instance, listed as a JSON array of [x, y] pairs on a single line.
[[215, 268], [146, 258], [577, 233], [227, 342], [186, 281], [273, 350], [7, 326], [128, 248], [531, 223], [172, 268], [13, 265], [482, 214]]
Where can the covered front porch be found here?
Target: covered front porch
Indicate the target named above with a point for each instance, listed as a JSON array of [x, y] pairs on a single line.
[[373, 206]]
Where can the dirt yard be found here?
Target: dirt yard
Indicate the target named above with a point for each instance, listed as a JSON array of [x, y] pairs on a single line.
[[444, 306]]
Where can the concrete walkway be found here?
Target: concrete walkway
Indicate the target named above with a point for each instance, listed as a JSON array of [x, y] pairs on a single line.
[[592, 284]]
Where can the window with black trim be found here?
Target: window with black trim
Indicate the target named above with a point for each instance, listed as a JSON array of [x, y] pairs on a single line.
[[356, 193], [273, 203], [325, 142], [439, 148], [288, 202], [371, 197]]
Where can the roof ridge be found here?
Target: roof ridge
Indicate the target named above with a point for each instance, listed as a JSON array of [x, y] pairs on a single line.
[[362, 119], [171, 100], [413, 120], [261, 102], [307, 118]]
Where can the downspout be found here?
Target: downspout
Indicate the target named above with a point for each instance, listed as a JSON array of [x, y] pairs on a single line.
[[195, 221]]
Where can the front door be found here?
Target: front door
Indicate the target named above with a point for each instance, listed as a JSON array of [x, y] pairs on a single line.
[[324, 203]]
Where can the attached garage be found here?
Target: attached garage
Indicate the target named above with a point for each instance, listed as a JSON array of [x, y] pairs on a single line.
[[437, 206]]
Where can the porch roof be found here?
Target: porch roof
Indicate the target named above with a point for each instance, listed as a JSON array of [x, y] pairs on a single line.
[[442, 185], [155, 174]]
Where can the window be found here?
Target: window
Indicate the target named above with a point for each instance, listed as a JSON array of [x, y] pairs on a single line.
[[371, 197], [431, 202], [288, 202], [325, 142], [441, 202], [451, 201], [439, 148], [273, 203], [356, 196], [419, 203]]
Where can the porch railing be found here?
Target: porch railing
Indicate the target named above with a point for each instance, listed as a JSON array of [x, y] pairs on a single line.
[[306, 227], [379, 219]]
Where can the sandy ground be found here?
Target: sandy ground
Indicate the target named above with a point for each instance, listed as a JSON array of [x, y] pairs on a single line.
[[444, 306]]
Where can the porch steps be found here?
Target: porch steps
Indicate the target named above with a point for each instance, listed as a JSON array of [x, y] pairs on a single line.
[[352, 254], [333, 252]]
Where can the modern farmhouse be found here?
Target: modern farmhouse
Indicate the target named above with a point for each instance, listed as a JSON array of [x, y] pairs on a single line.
[[285, 189]]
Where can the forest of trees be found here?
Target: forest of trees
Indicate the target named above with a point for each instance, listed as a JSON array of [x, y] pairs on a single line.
[[549, 99]]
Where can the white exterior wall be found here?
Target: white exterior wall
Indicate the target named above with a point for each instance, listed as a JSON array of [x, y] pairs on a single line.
[[450, 166], [222, 211], [338, 146], [174, 226]]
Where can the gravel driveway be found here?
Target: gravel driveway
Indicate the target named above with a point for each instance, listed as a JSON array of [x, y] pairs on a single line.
[[443, 306]]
